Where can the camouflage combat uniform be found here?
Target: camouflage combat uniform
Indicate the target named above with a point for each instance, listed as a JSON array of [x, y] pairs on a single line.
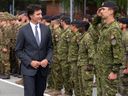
[[72, 59], [108, 58], [62, 56], [124, 77], [55, 76], [1, 65], [85, 65], [5, 44], [13, 59]]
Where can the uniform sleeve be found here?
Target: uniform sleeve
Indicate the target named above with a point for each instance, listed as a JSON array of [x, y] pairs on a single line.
[[125, 45], [91, 52], [117, 49]]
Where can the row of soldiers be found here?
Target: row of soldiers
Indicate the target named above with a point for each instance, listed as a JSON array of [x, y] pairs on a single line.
[[80, 51], [83, 50], [66, 36], [9, 64]]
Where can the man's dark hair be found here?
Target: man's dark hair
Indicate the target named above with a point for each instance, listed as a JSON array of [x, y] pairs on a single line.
[[32, 8], [66, 19]]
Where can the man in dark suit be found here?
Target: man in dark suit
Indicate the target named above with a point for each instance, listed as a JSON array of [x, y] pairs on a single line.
[[34, 49]]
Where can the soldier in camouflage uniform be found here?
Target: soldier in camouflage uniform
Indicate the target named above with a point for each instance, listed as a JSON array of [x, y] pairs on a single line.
[[46, 20], [14, 63], [1, 68], [124, 75], [63, 45], [5, 47], [55, 76], [109, 56], [2, 19], [73, 55], [85, 64]]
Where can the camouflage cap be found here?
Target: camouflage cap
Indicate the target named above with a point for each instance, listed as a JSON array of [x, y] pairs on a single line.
[[2, 16], [9, 16]]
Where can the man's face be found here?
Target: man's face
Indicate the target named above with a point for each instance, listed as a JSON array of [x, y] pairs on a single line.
[[122, 26], [37, 16], [105, 12], [72, 27], [62, 23]]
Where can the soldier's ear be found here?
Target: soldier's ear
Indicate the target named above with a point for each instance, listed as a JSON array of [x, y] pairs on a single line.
[[111, 10]]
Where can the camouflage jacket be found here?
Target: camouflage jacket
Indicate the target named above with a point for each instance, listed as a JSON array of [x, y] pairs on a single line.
[[6, 34], [56, 33], [125, 44], [73, 47], [86, 50], [110, 51], [63, 44]]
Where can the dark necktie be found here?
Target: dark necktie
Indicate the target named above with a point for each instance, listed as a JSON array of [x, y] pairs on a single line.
[[37, 35]]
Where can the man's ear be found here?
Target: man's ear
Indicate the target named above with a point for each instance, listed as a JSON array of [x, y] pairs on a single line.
[[111, 11]]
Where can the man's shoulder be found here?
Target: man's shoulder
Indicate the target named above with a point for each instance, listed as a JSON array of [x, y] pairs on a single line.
[[43, 26], [115, 25]]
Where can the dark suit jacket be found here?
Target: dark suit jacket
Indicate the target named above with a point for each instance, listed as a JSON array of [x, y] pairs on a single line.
[[27, 49]]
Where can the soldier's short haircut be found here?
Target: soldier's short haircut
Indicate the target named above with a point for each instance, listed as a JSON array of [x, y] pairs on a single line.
[[83, 26], [47, 18], [66, 19], [32, 8], [76, 23]]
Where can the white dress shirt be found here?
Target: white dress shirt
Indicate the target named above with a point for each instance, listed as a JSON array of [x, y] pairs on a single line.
[[38, 29]]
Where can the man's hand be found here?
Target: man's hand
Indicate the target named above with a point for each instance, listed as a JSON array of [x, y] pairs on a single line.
[[125, 71], [112, 76], [35, 64], [99, 12], [44, 63], [5, 50]]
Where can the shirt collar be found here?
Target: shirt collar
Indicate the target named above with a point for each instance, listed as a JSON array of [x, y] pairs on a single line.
[[32, 24]]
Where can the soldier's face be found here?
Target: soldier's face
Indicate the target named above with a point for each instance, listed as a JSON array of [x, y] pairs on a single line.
[[123, 26], [3, 23], [106, 12], [62, 23], [37, 16], [72, 27]]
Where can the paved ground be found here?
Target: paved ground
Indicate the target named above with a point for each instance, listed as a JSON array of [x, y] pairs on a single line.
[[10, 88]]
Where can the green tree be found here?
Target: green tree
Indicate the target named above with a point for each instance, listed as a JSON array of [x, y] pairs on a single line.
[[122, 5], [79, 4]]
